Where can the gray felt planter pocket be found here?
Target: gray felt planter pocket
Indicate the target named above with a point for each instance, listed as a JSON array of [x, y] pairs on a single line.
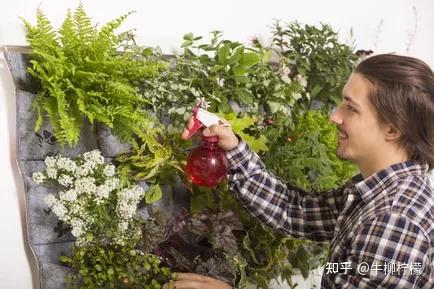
[[109, 144], [37, 145], [32, 148]]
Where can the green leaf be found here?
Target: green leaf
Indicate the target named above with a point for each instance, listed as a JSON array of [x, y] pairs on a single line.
[[223, 54], [188, 36], [240, 124], [239, 71], [200, 200], [65, 259], [153, 194], [256, 144], [315, 90], [237, 55], [250, 59], [245, 95], [89, 236]]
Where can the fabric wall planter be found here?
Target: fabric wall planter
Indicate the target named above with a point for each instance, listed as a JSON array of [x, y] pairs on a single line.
[[32, 148]]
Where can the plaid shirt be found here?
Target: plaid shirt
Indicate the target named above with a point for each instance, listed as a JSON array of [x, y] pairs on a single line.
[[380, 229]]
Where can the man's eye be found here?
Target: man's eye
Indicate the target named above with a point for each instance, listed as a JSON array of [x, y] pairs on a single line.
[[350, 108]]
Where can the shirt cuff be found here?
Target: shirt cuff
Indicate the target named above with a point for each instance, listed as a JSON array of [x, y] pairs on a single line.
[[239, 154]]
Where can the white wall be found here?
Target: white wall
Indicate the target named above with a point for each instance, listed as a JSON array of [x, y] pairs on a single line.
[[384, 26]]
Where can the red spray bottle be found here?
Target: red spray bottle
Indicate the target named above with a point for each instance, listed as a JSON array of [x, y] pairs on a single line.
[[206, 164]]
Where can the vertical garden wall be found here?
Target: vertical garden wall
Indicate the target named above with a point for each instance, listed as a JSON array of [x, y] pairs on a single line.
[[98, 123]]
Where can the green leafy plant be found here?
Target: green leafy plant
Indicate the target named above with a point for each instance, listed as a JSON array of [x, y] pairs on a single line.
[[306, 154], [256, 253], [316, 55], [115, 266], [230, 75], [83, 75]]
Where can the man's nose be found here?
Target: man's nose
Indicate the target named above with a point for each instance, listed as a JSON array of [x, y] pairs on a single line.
[[335, 116]]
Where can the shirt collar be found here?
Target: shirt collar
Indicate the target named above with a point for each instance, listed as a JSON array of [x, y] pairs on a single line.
[[379, 181]]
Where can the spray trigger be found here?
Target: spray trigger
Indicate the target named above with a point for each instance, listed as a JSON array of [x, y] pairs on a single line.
[[203, 118]]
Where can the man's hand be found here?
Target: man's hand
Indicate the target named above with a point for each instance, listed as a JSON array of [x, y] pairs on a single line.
[[195, 281], [227, 138]]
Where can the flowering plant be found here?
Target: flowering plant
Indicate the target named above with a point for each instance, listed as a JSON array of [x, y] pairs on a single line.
[[100, 211]]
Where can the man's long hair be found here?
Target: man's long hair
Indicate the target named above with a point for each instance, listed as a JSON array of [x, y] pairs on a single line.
[[403, 96]]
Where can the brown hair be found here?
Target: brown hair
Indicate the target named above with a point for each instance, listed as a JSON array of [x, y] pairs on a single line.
[[403, 96]]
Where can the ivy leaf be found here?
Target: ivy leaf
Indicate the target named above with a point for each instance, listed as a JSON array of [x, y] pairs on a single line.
[[153, 194]]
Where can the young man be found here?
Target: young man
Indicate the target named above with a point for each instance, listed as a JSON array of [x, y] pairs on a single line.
[[381, 224]]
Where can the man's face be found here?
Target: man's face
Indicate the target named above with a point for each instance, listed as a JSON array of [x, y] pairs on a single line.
[[361, 137]]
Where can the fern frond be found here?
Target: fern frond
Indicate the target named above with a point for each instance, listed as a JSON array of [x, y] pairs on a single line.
[[71, 124], [44, 26], [42, 36], [38, 106], [67, 33], [106, 37], [50, 107], [31, 31], [86, 32]]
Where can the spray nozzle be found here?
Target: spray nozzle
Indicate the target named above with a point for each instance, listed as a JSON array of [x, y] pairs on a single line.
[[202, 117]]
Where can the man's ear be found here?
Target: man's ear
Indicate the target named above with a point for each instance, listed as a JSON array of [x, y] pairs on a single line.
[[392, 133]]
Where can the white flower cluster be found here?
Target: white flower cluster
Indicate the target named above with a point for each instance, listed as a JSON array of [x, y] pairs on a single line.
[[85, 185], [90, 186], [78, 228], [39, 177], [128, 200], [94, 157], [65, 180], [109, 170], [103, 191]]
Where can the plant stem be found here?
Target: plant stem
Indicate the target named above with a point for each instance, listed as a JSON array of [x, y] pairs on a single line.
[[217, 199]]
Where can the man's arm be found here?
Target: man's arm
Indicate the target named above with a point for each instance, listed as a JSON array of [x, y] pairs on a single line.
[[291, 210], [388, 251]]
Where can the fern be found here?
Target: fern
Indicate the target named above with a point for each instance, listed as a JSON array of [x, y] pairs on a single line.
[[83, 76]]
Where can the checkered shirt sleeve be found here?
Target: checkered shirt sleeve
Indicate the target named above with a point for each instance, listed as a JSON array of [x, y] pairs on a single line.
[[286, 208]]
